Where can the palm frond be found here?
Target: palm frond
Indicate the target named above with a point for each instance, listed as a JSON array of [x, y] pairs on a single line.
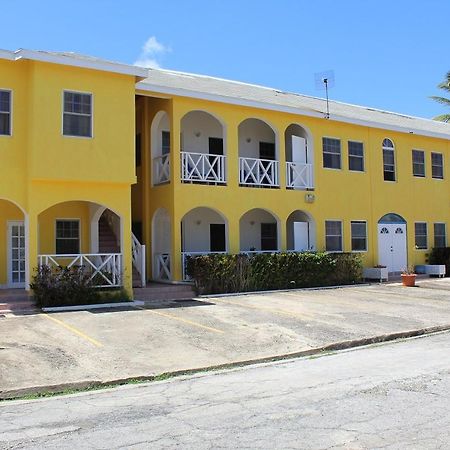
[[443, 118], [445, 85], [443, 100]]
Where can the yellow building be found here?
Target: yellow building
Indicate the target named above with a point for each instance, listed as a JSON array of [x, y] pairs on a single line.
[[92, 151]]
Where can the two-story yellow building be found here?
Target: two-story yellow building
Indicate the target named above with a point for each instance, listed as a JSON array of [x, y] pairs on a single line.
[[99, 158]]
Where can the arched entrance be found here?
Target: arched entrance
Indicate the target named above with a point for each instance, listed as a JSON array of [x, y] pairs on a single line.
[[259, 231], [160, 148], [392, 242], [161, 245], [300, 232]]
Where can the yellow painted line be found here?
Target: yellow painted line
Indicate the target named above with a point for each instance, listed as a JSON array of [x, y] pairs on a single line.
[[73, 330], [276, 311], [179, 319]]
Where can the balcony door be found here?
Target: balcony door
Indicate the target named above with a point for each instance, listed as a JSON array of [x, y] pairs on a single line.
[[217, 241], [299, 150]]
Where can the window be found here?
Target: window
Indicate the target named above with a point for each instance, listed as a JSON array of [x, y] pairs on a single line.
[[421, 235], [437, 165], [269, 239], [77, 116], [333, 235], [217, 242], [388, 160], [5, 113], [215, 146], [267, 150], [67, 237], [439, 235], [331, 153], [418, 163], [356, 156], [165, 142], [359, 236]]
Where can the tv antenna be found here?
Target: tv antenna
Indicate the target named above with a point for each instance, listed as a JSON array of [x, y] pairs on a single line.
[[325, 81]]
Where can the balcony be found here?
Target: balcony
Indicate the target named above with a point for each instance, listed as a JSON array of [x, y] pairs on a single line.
[[202, 168], [258, 172], [299, 175], [161, 169]]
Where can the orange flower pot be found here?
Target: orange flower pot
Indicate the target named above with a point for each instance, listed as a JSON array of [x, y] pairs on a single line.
[[409, 279]]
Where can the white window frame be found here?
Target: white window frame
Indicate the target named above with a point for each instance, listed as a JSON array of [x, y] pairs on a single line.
[[432, 165], [351, 236], [392, 149], [444, 235], [363, 157], [72, 91], [341, 235], [426, 236], [424, 163], [68, 219], [11, 103], [340, 153]]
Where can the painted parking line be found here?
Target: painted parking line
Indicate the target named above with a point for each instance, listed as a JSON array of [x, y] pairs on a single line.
[[73, 330], [179, 319], [272, 310]]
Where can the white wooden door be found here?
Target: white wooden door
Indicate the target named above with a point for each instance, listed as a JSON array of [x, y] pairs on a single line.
[[16, 254], [301, 236], [299, 150], [392, 246]]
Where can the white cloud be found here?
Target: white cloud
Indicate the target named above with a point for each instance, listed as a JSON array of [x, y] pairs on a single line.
[[151, 51]]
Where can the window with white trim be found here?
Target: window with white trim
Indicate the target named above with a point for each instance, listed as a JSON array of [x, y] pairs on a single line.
[[421, 235], [359, 235], [67, 237], [77, 114], [5, 113], [356, 156], [418, 163], [439, 235], [388, 160], [437, 165], [333, 236], [331, 153]]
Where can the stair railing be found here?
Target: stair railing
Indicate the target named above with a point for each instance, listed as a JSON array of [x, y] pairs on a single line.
[[138, 253]]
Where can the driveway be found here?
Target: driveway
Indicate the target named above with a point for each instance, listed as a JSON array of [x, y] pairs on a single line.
[[71, 347]]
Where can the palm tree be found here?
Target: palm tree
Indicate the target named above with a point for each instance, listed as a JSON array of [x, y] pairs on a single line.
[[445, 85]]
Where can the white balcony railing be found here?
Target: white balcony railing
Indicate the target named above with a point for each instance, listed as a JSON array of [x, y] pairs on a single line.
[[258, 172], [162, 266], [103, 269], [202, 167], [161, 169], [299, 175], [138, 253], [186, 255]]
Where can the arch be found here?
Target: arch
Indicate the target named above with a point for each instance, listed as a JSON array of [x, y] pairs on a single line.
[[392, 218], [161, 122], [255, 233], [251, 132], [388, 143], [389, 165], [15, 204], [160, 148], [161, 244], [301, 237]]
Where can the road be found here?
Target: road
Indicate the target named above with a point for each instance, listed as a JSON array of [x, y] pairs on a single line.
[[391, 396]]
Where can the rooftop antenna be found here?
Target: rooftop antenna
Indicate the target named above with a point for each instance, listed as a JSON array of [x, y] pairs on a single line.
[[325, 80]]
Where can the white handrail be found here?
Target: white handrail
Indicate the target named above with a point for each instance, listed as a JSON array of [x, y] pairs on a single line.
[[162, 264], [161, 169], [299, 175], [138, 254], [106, 267], [258, 172], [202, 167]]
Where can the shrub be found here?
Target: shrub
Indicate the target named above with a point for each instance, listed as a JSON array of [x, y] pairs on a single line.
[[440, 255], [63, 286], [219, 273]]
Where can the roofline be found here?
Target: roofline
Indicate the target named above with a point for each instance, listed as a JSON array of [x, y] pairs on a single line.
[[183, 92], [68, 60]]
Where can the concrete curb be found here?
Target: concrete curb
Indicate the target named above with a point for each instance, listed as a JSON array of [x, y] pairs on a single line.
[[95, 306], [17, 394]]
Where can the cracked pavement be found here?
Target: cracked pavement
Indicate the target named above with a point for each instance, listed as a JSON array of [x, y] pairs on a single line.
[[390, 396]]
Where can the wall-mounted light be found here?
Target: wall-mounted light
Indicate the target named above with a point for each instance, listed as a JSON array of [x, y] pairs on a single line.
[[197, 133], [252, 222], [248, 140], [198, 222]]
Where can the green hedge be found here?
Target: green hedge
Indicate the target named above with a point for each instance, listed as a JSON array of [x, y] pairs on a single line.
[[440, 255], [218, 273]]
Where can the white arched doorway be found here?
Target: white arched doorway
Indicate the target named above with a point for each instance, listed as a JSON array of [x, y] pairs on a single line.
[[392, 242], [161, 245], [300, 232]]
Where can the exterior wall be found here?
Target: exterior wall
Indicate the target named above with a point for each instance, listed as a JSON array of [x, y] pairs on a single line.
[[339, 194]]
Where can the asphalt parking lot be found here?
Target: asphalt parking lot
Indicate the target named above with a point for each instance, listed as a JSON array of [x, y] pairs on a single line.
[[49, 349]]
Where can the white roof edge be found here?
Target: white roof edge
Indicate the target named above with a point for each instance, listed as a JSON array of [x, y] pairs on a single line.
[[69, 60], [145, 86], [6, 54]]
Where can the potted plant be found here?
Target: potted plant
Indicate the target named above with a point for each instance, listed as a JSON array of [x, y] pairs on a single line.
[[408, 277]]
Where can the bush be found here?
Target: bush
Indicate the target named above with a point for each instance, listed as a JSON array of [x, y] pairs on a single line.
[[219, 273], [63, 286], [440, 255]]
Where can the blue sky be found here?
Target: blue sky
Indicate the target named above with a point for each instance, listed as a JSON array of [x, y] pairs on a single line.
[[384, 54]]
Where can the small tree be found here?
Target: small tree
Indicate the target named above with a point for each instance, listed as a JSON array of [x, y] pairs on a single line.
[[445, 85]]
